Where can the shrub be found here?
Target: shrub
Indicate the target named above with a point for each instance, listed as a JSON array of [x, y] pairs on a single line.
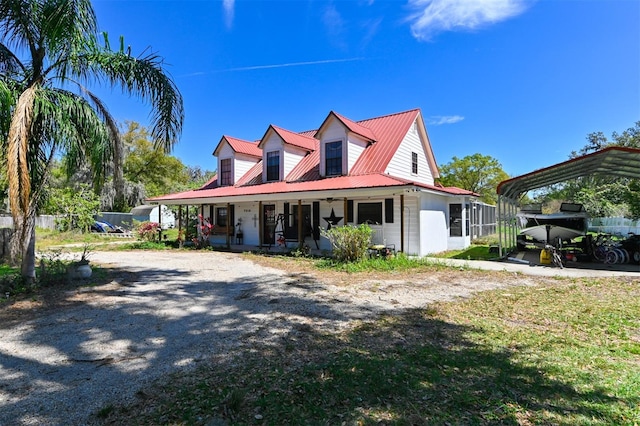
[[349, 243], [148, 231]]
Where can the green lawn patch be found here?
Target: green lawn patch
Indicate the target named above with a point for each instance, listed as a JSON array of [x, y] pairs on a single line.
[[565, 353]]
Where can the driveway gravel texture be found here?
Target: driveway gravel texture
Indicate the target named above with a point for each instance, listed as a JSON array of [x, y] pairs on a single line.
[[64, 358]]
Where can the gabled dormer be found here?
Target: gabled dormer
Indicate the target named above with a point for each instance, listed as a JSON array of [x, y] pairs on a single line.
[[235, 158], [282, 150], [342, 141]]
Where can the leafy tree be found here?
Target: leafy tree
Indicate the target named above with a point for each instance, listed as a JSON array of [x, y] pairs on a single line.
[[76, 207], [49, 52], [478, 173], [602, 195], [144, 163]]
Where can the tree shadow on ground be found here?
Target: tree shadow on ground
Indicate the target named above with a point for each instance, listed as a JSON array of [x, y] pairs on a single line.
[[89, 346], [409, 369]]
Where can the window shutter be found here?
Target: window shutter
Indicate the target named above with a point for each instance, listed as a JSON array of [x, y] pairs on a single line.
[[350, 211], [388, 210]]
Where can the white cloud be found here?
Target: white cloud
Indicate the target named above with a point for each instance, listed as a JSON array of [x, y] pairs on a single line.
[[335, 25], [228, 6], [435, 16], [437, 120]]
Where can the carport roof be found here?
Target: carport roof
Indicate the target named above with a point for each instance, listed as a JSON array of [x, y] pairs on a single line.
[[612, 161]]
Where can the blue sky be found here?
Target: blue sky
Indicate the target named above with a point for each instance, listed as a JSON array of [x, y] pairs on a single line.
[[521, 81]]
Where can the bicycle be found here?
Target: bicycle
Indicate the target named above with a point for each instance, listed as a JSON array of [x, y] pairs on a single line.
[[556, 256]]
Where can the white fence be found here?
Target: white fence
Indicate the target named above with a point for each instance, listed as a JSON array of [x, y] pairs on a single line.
[[614, 225], [44, 221], [49, 221]]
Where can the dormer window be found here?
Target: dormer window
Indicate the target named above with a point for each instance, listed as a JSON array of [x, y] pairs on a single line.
[[273, 165], [333, 158], [225, 172]]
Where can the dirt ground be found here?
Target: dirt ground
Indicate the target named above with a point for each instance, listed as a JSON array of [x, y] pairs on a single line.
[[67, 353]]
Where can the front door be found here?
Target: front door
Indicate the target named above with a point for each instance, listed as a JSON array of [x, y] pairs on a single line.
[[269, 215]]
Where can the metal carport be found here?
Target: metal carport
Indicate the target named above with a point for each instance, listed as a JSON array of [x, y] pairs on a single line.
[[613, 161]]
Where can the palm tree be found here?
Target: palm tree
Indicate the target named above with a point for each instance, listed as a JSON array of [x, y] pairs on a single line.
[[46, 108]]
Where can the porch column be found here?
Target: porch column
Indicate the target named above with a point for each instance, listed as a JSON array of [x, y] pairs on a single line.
[[159, 223], [300, 236], [260, 224], [402, 223], [180, 240], [227, 230], [346, 212]]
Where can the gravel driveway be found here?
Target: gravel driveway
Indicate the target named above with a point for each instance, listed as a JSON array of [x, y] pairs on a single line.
[[61, 361]]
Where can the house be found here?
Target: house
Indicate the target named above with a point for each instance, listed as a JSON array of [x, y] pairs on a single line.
[[286, 186]]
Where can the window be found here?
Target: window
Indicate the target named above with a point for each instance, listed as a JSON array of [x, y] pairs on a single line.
[[225, 172], [414, 163], [221, 217], [370, 213], [455, 220], [273, 165], [333, 158]]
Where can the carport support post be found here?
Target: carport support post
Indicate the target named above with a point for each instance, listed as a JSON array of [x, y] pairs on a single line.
[[500, 227]]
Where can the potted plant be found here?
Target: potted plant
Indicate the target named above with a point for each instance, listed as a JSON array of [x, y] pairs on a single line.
[[81, 268]]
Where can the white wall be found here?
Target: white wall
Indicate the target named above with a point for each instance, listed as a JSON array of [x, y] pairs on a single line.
[[400, 164], [333, 132], [292, 156], [355, 146], [272, 143], [241, 166], [435, 232]]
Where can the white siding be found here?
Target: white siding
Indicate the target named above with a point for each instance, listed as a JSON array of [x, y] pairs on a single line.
[[241, 165], [226, 151], [400, 164], [333, 132], [355, 146], [434, 232], [292, 156], [273, 143]]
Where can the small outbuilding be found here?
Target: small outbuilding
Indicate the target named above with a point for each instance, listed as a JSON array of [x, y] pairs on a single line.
[[151, 213]]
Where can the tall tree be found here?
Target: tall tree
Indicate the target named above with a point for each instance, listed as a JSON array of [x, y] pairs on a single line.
[[478, 173], [144, 163], [601, 195], [49, 52]]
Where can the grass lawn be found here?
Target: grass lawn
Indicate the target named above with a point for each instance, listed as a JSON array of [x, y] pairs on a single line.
[[563, 353]]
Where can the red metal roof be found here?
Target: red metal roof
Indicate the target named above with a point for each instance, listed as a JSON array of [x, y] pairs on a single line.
[[252, 177], [351, 125], [240, 146], [386, 132], [390, 131], [296, 139], [377, 180]]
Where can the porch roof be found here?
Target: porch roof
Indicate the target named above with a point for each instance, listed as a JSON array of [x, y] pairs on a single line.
[[354, 183]]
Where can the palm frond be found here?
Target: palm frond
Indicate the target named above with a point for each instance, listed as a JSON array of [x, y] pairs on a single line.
[[10, 65], [19, 22], [18, 141], [145, 77], [71, 123]]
